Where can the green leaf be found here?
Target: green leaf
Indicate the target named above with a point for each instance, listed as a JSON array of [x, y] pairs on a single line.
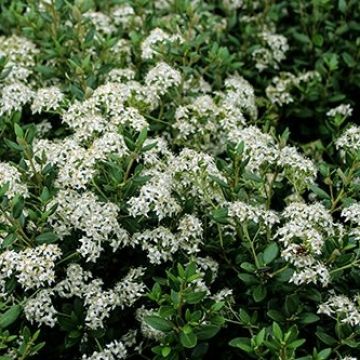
[[259, 293], [319, 192], [188, 340], [221, 216], [129, 143], [308, 318], [297, 343], [342, 6], [13, 145], [142, 137], [207, 332], [248, 267], [10, 316], [291, 304], [242, 343], [19, 132], [4, 189], [200, 351], [45, 195], [260, 337], [324, 354], [195, 297], [248, 279], [165, 351], [325, 338], [159, 323], [18, 207], [303, 38], [275, 315], [277, 332], [244, 316], [8, 240], [47, 238], [270, 253]]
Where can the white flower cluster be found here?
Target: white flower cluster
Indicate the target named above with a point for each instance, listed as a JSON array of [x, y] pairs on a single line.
[[302, 237], [344, 110], [100, 302], [11, 176], [155, 38], [162, 77], [125, 16], [352, 213], [20, 53], [97, 220], [155, 196], [74, 282], [207, 263], [211, 121], [350, 139], [32, 267], [114, 350], [279, 92], [192, 171], [243, 212], [340, 306], [233, 4], [40, 309], [273, 53], [102, 22], [299, 170], [240, 94], [264, 153], [47, 99], [161, 243], [259, 147], [14, 96]]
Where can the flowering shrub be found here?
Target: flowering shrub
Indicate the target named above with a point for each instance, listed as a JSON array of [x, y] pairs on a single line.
[[179, 179]]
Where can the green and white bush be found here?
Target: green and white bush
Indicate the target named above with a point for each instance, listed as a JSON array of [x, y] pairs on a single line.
[[179, 179]]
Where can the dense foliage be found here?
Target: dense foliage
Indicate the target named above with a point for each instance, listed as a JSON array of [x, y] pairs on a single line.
[[179, 179]]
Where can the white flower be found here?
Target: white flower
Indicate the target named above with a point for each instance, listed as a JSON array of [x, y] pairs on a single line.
[[314, 274], [155, 196], [47, 99], [163, 77], [14, 97], [243, 212], [350, 139], [343, 307], [10, 175], [33, 267], [101, 22], [114, 350], [299, 170], [344, 110], [159, 243], [40, 309], [233, 4], [155, 38], [123, 15], [190, 233], [352, 213], [258, 146], [75, 282], [240, 93], [277, 43]]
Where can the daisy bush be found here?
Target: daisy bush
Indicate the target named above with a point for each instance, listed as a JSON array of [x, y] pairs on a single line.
[[179, 179]]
